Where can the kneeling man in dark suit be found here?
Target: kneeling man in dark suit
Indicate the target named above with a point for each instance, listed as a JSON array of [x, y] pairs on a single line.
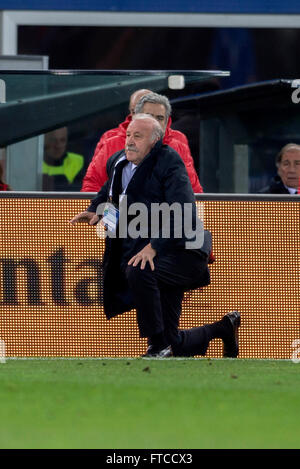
[[150, 260]]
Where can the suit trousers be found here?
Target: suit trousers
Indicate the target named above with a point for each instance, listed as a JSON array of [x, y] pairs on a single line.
[[158, 298]]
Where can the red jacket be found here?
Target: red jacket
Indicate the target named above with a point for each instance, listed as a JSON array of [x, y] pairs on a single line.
[[3, 186], [114, 140], [121, 130]]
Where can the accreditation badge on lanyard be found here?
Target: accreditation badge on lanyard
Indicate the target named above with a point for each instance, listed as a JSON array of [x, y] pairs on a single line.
[[110, 217]]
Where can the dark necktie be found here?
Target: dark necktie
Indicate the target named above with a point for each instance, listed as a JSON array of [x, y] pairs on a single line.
[[117, 184]]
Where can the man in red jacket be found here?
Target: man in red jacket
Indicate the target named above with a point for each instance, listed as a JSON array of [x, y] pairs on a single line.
[[114, 140], [3, 185], [121, 129]]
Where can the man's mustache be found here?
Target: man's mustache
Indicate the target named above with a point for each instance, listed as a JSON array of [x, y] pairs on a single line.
[[131, 148]]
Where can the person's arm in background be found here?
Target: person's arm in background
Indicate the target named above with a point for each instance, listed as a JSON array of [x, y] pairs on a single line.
[[185, 153], [96, 174]]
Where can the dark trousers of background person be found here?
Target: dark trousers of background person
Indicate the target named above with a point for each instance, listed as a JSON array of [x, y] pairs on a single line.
[[158, 298]]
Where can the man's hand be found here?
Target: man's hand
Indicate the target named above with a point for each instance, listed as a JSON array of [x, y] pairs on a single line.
[[85, 217], [147, 254]]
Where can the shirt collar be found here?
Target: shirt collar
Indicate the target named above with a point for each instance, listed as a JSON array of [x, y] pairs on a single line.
[[132, 166], [291, 190]]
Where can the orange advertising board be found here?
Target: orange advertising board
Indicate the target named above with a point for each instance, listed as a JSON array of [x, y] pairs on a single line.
[[51, 291]]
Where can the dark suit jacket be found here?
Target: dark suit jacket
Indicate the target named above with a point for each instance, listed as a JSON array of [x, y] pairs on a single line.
[[276, 187], [160, 177]]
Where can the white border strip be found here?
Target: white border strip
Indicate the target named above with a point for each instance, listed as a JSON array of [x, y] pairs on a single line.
[[103, 18], [10, 20]]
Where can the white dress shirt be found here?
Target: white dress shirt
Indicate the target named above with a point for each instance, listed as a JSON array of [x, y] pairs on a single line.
[[127, 174]]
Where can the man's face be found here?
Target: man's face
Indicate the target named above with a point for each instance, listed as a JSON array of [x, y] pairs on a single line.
[[139, 140], [158, 111], [289, 168], [56, 143]]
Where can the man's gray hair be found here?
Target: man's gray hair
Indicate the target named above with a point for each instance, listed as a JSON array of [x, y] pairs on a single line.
[[154, 98], [285, 149], [157, 131]]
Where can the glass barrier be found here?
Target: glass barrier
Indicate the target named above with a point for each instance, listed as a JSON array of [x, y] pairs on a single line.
[[53, 125], [85, 104], [38, 84]]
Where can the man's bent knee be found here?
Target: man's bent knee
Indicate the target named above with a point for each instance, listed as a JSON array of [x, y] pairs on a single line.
[[136, 275]]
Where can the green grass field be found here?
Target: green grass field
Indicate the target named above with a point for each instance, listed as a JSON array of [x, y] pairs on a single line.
[[136, 403]]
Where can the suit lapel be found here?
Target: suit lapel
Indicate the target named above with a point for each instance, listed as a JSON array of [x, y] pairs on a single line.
[[143, 171]]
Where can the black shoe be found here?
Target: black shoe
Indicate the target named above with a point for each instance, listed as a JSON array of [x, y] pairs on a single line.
[[231, 342], [153, 352]]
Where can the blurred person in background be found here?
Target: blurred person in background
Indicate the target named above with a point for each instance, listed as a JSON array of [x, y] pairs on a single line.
[[62, 170], [158, 106], [3, 185], [288, 171], [121, 129]]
